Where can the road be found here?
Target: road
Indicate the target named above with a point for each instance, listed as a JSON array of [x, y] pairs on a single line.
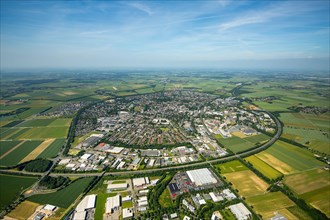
[[128, 172], [222, 159]]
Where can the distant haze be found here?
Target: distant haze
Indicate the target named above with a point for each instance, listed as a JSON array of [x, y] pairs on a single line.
[[165, 34]]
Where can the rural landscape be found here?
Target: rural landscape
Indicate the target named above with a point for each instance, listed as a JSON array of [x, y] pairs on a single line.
[[136, 136], [164, 110]]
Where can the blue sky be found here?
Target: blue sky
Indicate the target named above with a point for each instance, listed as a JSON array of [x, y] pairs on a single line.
[[171, 34]]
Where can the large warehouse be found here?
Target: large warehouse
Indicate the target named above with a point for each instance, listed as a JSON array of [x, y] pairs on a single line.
[[201, 177]]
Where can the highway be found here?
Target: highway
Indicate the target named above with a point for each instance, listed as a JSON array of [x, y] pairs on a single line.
[[129, 172]]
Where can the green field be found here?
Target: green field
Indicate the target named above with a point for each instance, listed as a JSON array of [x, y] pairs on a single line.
[[263, 167], [5, 132], [288, 158], [53, 149], [14, 157], [231, 166], [268, 203], [61, 122], [64, 197], [12, 186], [236, 144], [308, 129], [36, 123], [17, 134], [313, 186], [38, 133], [7, 145]]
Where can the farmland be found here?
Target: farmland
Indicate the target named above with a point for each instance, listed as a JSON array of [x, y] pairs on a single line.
[[23, 210], [38, 133], [288, 158], [53, 149], [64, 197], [15, 156], [307, 129], [7, 145], [231, 166], [266, 204], [313, 186], [237, 144], [247, 183], [263, 167], [11, 186]]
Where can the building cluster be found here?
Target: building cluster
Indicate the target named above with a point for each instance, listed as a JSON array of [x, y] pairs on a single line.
[[193, 180], [85, 209], [43, 212], [145, 119], [66, 110]]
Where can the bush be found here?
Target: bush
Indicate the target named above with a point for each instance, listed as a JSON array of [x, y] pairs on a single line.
[[53, 182]]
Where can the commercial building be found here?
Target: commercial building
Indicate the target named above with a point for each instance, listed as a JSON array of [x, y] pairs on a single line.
[[201, 177], [118, 186], [127, 213], [142, 181], [240, 211], [84, 206], [112, 204]]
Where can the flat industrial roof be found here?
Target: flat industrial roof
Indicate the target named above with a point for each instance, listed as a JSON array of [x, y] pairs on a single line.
[[201, 177]]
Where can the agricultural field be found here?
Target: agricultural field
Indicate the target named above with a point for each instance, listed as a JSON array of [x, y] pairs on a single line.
[[12, 186], [313, 186], [237, 144], [263, 167], [18, 153], [269, 203], [64, 197], [231, 166], [35, 153], [24, 210], [5, 146], [287, 158], [36, 123], [38, 133], [53, 149], [247, 183]]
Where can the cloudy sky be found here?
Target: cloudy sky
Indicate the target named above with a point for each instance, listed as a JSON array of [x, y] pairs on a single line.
[[171, 34]]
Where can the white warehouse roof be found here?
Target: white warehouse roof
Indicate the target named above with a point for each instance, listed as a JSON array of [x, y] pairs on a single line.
[[240, 211], [79, 215], [141, 181], [87, 203], [201, 177], [112, 203], [117, 186]]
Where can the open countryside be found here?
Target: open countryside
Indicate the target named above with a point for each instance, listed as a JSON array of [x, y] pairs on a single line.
[[164, 110]]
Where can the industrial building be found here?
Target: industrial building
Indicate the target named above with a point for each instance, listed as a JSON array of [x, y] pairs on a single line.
[[117, 186], [112, 204], [86, 205], [142, 181], [201, 177], [127, 213], [240, 211]]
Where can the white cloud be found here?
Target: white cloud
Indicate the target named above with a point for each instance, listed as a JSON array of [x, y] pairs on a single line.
[[141, 7]]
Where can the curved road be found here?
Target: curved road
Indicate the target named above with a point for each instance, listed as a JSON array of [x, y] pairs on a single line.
[[222, 159]]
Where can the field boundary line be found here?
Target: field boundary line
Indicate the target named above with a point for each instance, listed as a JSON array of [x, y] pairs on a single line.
[[38, 150], [9, 151]]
